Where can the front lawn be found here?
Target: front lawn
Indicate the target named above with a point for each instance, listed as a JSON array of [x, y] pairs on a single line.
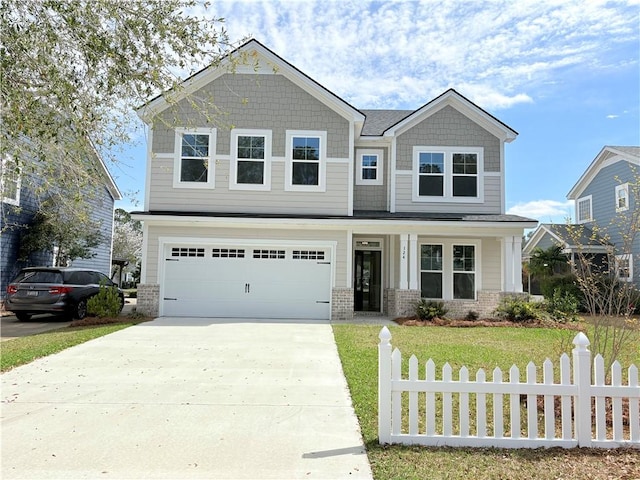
[[481, 347]]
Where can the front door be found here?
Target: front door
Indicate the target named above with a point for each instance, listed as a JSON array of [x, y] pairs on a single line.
[[367, 280]]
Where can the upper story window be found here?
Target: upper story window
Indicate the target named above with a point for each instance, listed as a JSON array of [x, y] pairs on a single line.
[[306, 160], [622, 197], [10, 181], [369, 167], [451, 174], [583, 209], [250, 160], [194, 165]]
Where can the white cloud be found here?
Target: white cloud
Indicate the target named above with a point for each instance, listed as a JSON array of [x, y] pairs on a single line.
[[402, 54], [612, 116], [545, 211]]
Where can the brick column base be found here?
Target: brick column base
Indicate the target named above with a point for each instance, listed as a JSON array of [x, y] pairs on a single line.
[[402, 303], [148, 302], [342, 304]]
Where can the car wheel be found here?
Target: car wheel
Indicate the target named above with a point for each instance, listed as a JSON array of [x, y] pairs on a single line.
[[22, 316], [81, 309]]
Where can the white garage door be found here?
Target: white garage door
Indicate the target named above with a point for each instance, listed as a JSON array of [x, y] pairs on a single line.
[[247, 282]]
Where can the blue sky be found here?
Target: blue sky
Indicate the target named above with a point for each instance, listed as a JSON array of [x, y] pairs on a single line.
[[564, 74]]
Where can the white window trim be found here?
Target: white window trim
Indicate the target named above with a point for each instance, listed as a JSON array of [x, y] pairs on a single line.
[[233, 164], [625, 188], [379, 167], [629, 258], [448, 174], [16, 200], [441, 271], [588, 198], [475, 270], [447, 266], [177, 162], [322, 170]]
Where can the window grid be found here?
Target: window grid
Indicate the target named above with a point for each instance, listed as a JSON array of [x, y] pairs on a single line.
[[584, 210], [431, 271], [194, 158], [227, 253], [271, 254], [187, 252], [308, 255]]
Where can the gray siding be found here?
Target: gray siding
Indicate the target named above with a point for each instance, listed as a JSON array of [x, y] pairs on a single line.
[[491, 204], [372, 197], [448, 128], [615, 224], [260, 102]]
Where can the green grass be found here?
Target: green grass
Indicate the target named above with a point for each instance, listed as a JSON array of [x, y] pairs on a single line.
[[20, 351], [476, 348]]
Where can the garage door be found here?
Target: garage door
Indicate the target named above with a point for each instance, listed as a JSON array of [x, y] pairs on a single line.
[[247, 282]]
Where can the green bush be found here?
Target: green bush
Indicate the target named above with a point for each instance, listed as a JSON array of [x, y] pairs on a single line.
[[563, 306], [563, 283], [472, 315], [429, 309], [106, 303], [518, 309]]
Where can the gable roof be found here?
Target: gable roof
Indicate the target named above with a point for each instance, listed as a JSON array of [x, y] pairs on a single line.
[[607, 156], [465, 106], [568, 236], [263, 61]]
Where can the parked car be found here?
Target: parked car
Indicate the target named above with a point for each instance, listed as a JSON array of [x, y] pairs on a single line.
[[62, 291]]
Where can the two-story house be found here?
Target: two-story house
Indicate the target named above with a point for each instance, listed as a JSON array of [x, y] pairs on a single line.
[[269, 196], [20, 202], [607, 217]]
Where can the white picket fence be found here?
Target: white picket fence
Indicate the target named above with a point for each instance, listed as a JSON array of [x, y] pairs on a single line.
[[575, 426]]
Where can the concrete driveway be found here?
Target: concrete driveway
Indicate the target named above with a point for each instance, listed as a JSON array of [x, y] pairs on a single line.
[[185, 398]]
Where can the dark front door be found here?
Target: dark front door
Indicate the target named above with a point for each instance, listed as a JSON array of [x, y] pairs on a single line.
[[367, 281]]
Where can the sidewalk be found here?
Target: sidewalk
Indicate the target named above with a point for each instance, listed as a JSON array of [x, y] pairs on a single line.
[[182, 399]]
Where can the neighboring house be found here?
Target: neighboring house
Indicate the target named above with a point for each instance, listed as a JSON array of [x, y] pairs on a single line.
[[19, 206], [291, 203], [606, 215]]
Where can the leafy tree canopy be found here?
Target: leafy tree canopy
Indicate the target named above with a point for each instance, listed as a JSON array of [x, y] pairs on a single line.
[[73, 70]]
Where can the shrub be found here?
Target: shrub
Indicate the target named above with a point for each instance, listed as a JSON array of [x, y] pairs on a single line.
[[563, 284], [429, 309], [472, 316], [563, 306], [106, 303], [517, 309]]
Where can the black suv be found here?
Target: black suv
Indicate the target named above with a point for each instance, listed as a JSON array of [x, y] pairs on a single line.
[[62, 291]]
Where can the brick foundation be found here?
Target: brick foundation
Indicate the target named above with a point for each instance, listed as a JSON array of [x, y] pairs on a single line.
[[148, 302], [401, 303], [342, 304]]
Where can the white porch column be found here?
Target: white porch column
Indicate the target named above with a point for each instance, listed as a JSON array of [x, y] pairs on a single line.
[[517, 263], [507, 254], [349, 279], [413, 261], [404, 254], [512, 254]]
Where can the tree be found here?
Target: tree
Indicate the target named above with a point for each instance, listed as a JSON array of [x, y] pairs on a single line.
[[73, 70], [53, 231], [127, 237], [546, 262]]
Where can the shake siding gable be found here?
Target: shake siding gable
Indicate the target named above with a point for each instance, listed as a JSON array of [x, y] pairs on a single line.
[[270, 102]]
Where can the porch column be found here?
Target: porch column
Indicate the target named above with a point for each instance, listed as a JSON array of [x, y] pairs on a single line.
[[517, 263], [404, 240], [512, 249], [413, 261], [507, 254]]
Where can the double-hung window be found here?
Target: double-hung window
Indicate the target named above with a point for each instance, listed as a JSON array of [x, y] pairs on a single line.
[[622, 197], [369, 167], [448, 270], [624, 267], [10, 181], [451, 174], [250, 160], [194, 165], [306, 160], [583, 209]]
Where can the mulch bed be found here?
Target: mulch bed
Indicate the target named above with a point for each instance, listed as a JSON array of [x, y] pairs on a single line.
[[93, 321], [414, 321]]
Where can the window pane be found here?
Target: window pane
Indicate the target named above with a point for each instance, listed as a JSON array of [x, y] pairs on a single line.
[[195, 145], [466, 163], [250, 172], [306, 148], [250, 147], [431, 186], [464, 285], [431, 285], [465, 187], [369, 160], [431, 257], [193, 170], [305, 173], [464, 258], [431, 162], [369, 173]]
